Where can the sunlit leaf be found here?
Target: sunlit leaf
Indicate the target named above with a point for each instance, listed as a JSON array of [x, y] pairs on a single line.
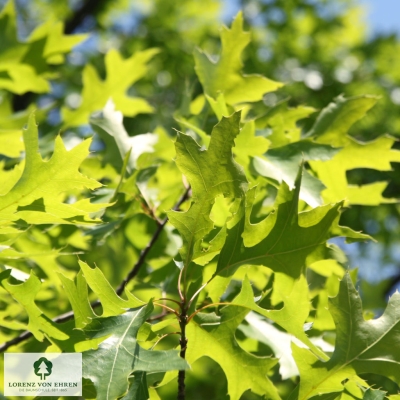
[[361, 346], [225, 75]]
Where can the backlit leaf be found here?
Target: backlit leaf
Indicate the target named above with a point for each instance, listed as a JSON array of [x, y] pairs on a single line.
[[37, 197], [39, 324], [361, 346], [121, 75], [243, 370], [210, 172], [225, 75]]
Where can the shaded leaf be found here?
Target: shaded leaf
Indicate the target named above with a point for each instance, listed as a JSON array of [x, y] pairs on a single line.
[[282, 164], [371, 394], [138, 388], [110, 123], [118, 356], [286, 241]]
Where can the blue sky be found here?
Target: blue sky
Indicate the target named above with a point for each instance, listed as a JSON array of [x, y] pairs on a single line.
[[383, 16]]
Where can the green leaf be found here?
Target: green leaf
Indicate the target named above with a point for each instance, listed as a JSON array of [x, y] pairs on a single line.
[[210, 172], [111, 303], [278, 341], [282, 120], [9, 177], [218, 105], [55, 43], [213, 171], [371, 394], [110, 123], [23, 66], [138, 388], [282, 164], [225, 76], [249, 145], [78, 297], [361, 346], [291, 317], [335, 120], [121, 75], [25, 294], [286, 240], [37, 196], [10, 48], [22, 78], [377, 155], [118, 356], [11, 144], [217, 340]]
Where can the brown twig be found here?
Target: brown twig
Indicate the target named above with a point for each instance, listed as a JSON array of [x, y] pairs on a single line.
[[134, 271]]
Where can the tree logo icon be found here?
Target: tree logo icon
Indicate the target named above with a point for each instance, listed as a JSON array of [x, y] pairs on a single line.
[[43, 368]]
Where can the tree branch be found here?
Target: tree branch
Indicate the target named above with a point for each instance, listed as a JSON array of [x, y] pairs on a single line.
[[132, 273], [183, 320]]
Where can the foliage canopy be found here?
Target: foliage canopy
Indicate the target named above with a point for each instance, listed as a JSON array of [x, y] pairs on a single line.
[[218, 239]]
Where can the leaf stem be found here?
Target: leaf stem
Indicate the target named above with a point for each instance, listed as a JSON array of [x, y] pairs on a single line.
[[168, 299], [208, 305], [162, 337], [166, 308], [196, 293], [182, 297]]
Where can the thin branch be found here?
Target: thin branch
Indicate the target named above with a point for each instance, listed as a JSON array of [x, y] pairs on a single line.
[[26, 335], [183, 320], [134, 271]]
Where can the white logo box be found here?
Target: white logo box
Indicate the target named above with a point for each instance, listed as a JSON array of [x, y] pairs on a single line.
[[44, 374]]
